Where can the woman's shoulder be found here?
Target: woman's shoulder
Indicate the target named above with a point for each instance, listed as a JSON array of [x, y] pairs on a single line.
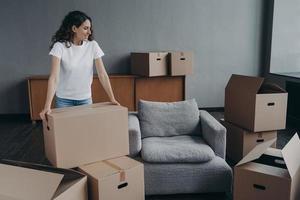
[[59, 45], [93, 42]]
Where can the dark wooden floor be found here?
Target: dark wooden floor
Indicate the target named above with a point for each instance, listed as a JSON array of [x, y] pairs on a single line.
[[22, 140]]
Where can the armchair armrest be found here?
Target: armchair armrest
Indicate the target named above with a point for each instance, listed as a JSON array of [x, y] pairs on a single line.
[[135, 142], [214, 133]]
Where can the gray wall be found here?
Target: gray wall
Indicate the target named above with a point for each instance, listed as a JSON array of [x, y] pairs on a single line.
[[224, 35]]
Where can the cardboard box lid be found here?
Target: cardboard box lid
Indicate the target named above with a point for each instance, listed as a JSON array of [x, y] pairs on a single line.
[[289, 154], [270, 88], [244, 85], [102, 169], [84, 109], [153, 53], [34, 181], [250, 85], [181, 53]]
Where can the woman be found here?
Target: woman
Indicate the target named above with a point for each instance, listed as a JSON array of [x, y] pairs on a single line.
[[73, 53]]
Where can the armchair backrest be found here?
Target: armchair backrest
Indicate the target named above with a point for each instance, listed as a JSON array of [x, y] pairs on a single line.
[[163, 119]]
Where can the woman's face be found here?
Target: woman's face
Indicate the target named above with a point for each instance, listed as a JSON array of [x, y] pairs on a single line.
[[83, 31]]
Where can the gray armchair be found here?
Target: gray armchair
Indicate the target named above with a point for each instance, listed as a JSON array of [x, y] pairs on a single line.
[[179, 163]]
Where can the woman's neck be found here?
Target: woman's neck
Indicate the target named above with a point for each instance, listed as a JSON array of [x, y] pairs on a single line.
[[77, 42]]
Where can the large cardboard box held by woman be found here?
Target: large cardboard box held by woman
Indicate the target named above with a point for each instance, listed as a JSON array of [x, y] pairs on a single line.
[[79, 135]]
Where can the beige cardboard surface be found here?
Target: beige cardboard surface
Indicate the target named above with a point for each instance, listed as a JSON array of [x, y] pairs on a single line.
[[267, 180], [120, 178], [149, 63], [239, 141], [22, 183], [270, 117], [74, 190], [255, 105], [249, 185], [181, 63], [291, 155], [256, 152], [27, 181], [85, 134]]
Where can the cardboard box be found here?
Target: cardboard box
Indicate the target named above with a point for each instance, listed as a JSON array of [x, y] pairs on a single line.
[[26, 181], [80, 135], [149, 64], [120, 178], [254, 105], [267, 173], [239, 142], [181, 63]]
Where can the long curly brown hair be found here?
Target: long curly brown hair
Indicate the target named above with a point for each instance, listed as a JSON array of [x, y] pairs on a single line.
[[64, 33]]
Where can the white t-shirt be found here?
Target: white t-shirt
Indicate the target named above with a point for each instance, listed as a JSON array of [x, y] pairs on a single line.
[[76, 69]]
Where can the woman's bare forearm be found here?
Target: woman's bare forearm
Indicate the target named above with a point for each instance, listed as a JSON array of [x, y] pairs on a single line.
[[104, 79], [53, 81], [52, 84]]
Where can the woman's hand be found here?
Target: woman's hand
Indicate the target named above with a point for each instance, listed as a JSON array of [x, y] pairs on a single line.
[[45, 112], [115, 102]]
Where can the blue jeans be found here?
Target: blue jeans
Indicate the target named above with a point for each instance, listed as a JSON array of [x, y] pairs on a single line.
[[61, 102]]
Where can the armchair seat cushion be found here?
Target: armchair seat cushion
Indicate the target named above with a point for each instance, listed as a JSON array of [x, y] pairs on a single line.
[[176, 149]]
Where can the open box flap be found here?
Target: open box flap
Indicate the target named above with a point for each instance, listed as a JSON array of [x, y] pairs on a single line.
[[291, 155], [256, 152], [70, 175], [268, 87], [244, 85], [24, 183]]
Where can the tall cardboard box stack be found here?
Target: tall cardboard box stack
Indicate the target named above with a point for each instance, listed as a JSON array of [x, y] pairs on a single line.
[[254, 111], [93, 137], [150, 64]]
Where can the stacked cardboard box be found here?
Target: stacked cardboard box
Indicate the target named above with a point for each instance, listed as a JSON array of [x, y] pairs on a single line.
[[252, 107], [95, 139], [162, 63], [239, 142], [119, 178], [181, 63], [91, 137]]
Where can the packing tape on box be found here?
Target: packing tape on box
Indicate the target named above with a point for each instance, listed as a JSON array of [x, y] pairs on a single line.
[[122, 172]]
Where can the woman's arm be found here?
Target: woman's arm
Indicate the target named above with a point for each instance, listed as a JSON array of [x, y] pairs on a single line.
[[104, 80], [52, 84]]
